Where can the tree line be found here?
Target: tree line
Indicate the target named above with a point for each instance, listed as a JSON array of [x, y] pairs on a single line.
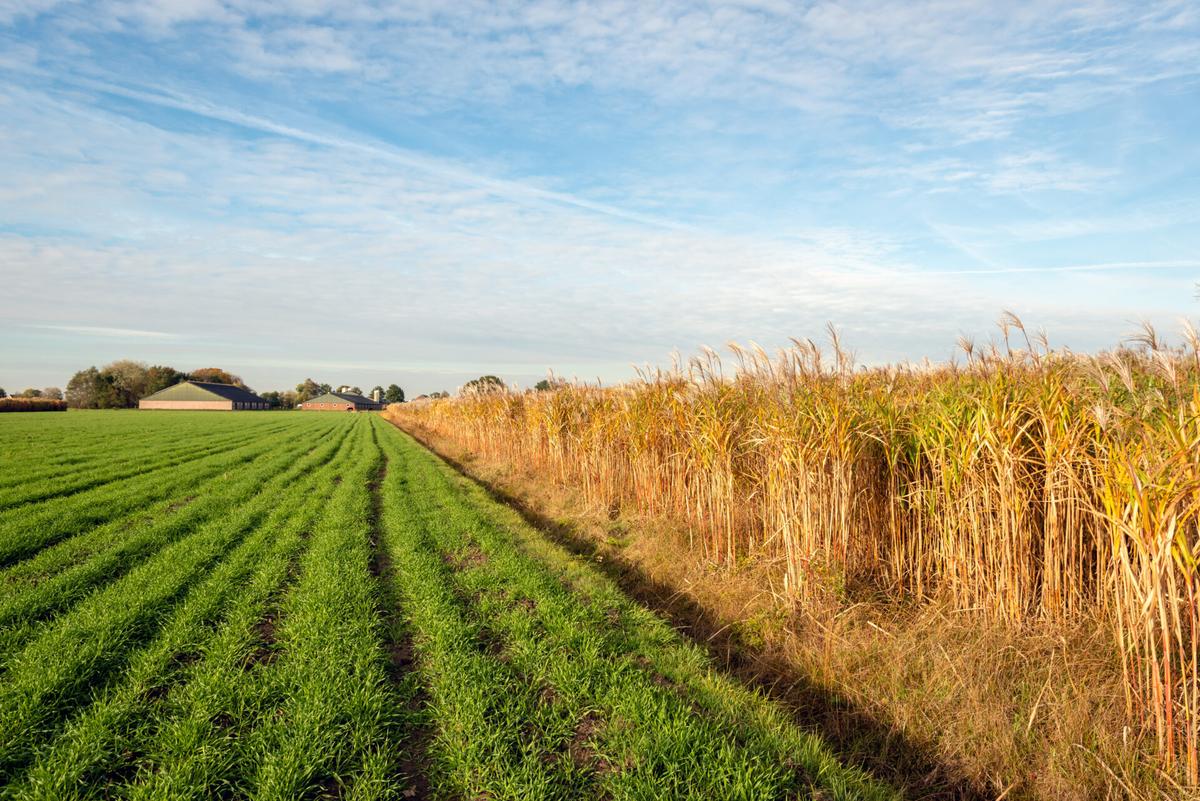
[[49, 393], [121, 384]]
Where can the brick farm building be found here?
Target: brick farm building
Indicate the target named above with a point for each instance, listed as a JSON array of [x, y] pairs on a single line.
[[340, 402], [204, 395]]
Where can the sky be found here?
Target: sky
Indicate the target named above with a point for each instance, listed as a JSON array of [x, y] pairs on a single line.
[[423, 192]]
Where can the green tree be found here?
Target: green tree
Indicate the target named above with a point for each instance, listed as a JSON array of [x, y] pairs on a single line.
[[31, 393], [81, 389], [54, 393], [394, 394], [128, 380], [160, 377], [355, 391], [309, 389], [91, 389], [280, 400], [3, 394]]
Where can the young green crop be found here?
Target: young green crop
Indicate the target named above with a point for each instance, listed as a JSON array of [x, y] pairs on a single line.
[[51, 675], [128, 728], [165, 457], [26, 530], [335, 725], [112, 445], [32, 590]]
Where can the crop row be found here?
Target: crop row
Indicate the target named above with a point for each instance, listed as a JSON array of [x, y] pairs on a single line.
[[161, 456], [26, 530], [34, 448], [132, 640], [33, 590]]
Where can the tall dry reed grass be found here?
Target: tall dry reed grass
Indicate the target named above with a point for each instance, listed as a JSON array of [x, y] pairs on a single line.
[[1023, 485]]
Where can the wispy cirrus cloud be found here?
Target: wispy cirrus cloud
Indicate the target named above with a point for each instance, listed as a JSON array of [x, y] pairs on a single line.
[[105, 331], [590, 184]]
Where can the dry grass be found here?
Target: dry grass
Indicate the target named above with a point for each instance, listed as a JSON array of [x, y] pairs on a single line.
[[1029, 492]]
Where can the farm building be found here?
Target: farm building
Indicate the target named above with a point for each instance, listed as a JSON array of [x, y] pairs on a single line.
[[340, 402], [203, 395]]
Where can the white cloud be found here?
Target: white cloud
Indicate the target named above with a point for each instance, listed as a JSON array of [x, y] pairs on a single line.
[[759, 168], [950, 66], [14, 10], [104, 331]]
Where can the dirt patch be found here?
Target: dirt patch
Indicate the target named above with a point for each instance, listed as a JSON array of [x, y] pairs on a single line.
[[179, 504], [471, 557], [330, 787], [402, 658], [491, 643], [156, 693], [186, 658], [582, 746], [265, 652], [265, 629], [126, 768], [658, 678]]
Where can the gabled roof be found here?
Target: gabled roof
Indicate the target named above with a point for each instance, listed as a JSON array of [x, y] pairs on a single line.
[[205, 390], [344, 397]]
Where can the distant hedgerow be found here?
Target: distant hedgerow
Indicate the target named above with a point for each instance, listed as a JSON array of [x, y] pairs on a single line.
[[32, 405]]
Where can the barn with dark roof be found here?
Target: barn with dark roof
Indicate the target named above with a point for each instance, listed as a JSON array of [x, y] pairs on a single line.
[[204, 395], [340, 402]]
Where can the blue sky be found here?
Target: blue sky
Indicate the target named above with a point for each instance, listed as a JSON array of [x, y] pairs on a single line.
[[422, 192]]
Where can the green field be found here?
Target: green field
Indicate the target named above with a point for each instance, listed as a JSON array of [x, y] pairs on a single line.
[[291, 605]]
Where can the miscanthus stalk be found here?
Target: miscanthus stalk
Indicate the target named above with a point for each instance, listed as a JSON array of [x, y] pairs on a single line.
[[1020, 483]]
